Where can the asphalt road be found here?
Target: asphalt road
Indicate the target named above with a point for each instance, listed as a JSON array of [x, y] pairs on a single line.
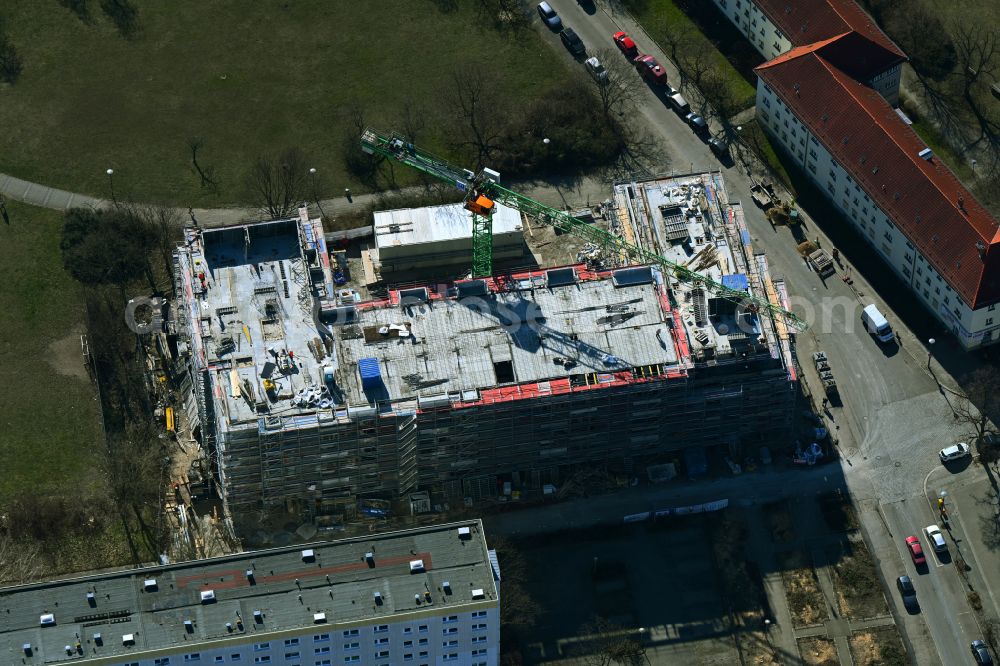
[[893, 419]]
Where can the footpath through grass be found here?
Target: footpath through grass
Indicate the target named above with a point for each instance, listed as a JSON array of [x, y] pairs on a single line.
[[50, 440], [245, 77]]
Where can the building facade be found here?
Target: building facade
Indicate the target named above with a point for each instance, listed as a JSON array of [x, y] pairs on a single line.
[[891, 188], [427, 596], [775, 27]]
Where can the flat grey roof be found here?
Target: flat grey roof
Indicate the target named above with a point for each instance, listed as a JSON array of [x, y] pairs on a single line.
[[523, 332], [429, 224], [337, 581]]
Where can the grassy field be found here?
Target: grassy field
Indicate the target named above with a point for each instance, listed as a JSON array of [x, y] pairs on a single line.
[[244, 77], [49, 430], [655, 14]]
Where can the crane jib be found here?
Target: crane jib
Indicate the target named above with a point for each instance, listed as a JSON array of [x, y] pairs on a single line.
[[486, 183]]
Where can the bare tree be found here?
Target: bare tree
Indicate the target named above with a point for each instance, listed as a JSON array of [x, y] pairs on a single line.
[[134, 463], [618, 92], [20, 560], [483, 118], [207, 174], [279, 182], [979, 406], [613, 645], [718, 95]]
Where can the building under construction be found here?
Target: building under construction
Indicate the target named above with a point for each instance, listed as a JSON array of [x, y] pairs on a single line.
[[312, 397]]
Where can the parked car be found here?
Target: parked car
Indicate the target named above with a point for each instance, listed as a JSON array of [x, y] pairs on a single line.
[[677, 102], [596, 69], [719, 146], [549, 16], [981, 652], [625, 44], [572, 42], [954, 452], [697, 123], [907, 592], [916, 550], [935, 538], [651, 70]]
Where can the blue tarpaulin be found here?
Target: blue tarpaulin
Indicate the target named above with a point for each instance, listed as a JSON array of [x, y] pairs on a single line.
[[371, 374], [745, 237], [737, 281]]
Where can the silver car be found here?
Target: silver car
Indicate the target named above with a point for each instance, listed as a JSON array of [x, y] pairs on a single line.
[[954, 452]]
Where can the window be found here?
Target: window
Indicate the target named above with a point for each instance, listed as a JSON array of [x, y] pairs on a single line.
[[382, 654], [829, 186], [957, 313], [767, 102], [291, 655], [350, 632], [812, 167], [833, 175], [451, 643], [991, 308], [316, 639], [407, 631], [423, 654], [381, 628], [322, 650], [449, 630], [422, 641], [408, 656], [260, 647], [479, 639], [382, 641], [351, 646], [451, 656], [236, 657], [906, 271], [407, 643], [324, 662], [937, 290], [479, 653], [481, 625], [291, 642], [813, 154], [194, 656], [162, 661], [989, 321], [351, 659], [888, 236], [422, 628], [266, 659]]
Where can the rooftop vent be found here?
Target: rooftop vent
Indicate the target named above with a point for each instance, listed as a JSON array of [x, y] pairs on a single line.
[[464, 533], [416, 599], [446, 586], [478, 593], [258, 617], [826, 117], [378, 598], [558, 277], [981, 248], [91, 599], [250, 576], [47, 620], [926, 154], [895, 195], [149, 585], [370, 559], [846, 140], [308, 555], [413, 296], [319, 618], [98, 639], [874, 170], [128, 640], [472, 288], [207, 596], [416, 566], [189, 626], [27, 649]]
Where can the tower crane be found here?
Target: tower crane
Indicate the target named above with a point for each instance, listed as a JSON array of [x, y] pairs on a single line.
[[483, 191]]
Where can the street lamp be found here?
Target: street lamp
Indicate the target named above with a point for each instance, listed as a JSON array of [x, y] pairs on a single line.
[[974, 163], [312, 172], [546, 141], [111, 185], [930, 345]]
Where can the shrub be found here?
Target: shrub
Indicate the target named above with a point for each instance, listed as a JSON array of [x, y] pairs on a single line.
[[11, 64]]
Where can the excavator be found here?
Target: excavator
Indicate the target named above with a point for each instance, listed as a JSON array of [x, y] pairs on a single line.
[[483, 191]]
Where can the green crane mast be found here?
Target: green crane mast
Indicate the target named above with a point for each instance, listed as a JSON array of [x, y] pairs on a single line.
[[482, 190]]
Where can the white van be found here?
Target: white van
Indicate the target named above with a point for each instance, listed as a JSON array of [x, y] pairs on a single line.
[[876, 323]]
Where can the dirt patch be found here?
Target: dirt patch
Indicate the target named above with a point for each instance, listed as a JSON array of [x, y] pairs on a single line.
[[66, 356], [838, 512], [805, 600], [779, 521], [859, 593], [818, 651], [878, 647]]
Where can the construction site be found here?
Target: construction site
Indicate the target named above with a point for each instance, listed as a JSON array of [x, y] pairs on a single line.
[[318, 393]]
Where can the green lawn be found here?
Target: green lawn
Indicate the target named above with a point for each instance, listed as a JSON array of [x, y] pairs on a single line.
[[655, 14], [49, 433], [244, 76]]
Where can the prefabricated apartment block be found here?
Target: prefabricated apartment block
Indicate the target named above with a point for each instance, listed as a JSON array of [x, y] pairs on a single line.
[[312, 399], [422, 596]]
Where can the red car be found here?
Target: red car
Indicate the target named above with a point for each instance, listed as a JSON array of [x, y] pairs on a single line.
[[625, 44], [651, 70], [916, 550]]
